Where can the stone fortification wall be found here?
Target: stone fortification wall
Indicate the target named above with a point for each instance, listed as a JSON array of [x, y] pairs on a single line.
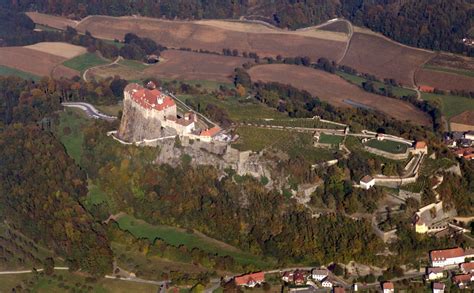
[[138, 124]]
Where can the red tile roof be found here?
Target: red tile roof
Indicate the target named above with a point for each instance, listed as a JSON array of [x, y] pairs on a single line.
[[339, 290], [462, 278], [388, 285], [420, 145], [149, 99], [467, 266], [438, 286], [426, 88], [211, 131], [246, 279], [366, 179], [446, 253]]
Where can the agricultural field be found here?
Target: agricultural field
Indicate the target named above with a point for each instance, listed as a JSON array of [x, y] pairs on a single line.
[[295, 144], [358, 80], [213, 35], [445, 78], [450, 105], [176, 236], [64, 50], [463, 121], [85, 61], [330, 139], [51, 21], [335, 90], [4, 70], [336, 26], [389, 146], [374, 54], [33, 61]]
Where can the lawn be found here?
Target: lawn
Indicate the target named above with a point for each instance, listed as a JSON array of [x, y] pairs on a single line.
[[331, 139], [358, 80], [110, 109], [207, 84], [116, 44], [450, 105], [239, 109], [137, 65], [177, 237], [4, 70], [70, 133], [468, 73], [389, 146], [295, 122], [295, 144], [84, 61]]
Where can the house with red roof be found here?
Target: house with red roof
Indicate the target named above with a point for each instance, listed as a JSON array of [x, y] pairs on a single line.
[[388, 287], [250, 280], [438, 287], [463, 280], [467, 267], [447, 257], [434, 273], [420, 147]]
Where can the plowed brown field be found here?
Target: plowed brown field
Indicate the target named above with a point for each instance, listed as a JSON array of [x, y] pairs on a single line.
[[195, 66], [51, 20], [370, 53], [29, 60], [444, 80], [335, 90]]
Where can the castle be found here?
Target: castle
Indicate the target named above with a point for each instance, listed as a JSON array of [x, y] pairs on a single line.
[[149, 114]]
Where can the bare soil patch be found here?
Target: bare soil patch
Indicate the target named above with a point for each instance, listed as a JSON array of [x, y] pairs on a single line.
[[51, 20], [466, 117], [335, 90], [336, 26], [213, 36], [60, 49], [370, 53], [28, 60], [195, 66], [63, 71], [444, 80]]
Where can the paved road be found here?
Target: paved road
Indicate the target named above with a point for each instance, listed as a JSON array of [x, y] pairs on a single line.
[[90, 110]]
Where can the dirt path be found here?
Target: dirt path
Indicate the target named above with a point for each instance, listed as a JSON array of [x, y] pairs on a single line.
[[351, 33], [84, 75]]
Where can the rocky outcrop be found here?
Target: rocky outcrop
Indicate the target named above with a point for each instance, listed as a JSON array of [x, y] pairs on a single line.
[[135, 125]]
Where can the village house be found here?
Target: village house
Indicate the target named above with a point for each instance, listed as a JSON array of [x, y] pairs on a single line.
[[367, 182], [319, 274], [207, 134], [467, 267], [463, 280], [287, 276], [432, 218], [447, 257], [466, 153], [438, 287], [250, 280], [426, 88], [434, 273], [299, 277], [420, 148], [388, 287]]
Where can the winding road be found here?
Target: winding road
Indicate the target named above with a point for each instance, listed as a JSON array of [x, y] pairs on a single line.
[[89, 109]]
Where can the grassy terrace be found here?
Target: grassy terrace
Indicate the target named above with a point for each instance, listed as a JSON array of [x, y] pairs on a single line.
[[84, 61], [296, 122], [358, 80], [4, 70], [137, 65], [450, 105], [291, 142], [177, 237], [389, 146], [330, 139], [450, 70]]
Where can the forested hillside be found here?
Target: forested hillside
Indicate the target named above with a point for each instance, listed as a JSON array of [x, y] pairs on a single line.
[[432, 24], [40, 184]]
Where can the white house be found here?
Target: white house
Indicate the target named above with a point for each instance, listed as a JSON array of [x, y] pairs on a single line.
[[434, 273], [327, 283], [367, 182], [438, 287], [319, 275], [447, 257]]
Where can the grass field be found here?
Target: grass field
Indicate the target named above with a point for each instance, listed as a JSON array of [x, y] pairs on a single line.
[[4, 70], [239, 110], [295, 122], [450, 70], [110, 109], [293, 143], [450, 105], [330, 139], [176, 237], [46, 28], [85, 61], [137, 65], [116, 44], [70, 133], [388, 146], [358, 80]]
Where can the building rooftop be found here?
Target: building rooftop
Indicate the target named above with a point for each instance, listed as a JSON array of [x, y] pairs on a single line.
[[366, 179], [211, 131], [446, 253], [462, 278], [434, 270], [388, 285], [149, 99], [420, 145], [320, 272], [438, 286], [433, 214], [245, 279]]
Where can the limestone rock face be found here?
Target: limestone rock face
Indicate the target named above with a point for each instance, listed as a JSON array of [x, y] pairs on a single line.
[[137, 124]]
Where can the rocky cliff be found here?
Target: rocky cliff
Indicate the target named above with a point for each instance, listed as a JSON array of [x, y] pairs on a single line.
[[136, 125]]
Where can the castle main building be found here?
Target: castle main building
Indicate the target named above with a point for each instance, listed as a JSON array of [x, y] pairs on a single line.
[[150, 114]]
